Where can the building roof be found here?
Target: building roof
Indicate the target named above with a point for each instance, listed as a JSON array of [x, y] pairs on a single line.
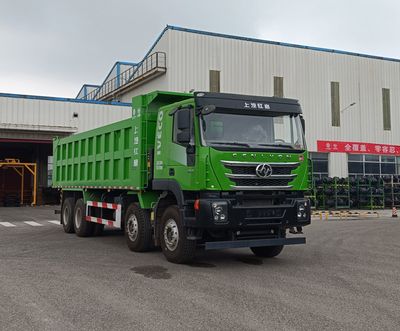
[[39, 97], [264, 41]]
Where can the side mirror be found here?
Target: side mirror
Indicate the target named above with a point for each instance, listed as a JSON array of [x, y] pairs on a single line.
[[183, 124], [208, 109], [183, 137], [303, 124], [183, 119]]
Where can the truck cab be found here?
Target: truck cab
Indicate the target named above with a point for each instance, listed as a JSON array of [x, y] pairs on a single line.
[[236, 166]]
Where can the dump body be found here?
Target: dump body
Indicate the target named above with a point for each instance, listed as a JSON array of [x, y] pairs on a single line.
[[114, 156]]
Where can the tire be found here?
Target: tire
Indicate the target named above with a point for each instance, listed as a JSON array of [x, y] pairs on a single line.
[[180, 250], [98, 229], [82, 227], [267, 251], [67, 215], [138, 229]]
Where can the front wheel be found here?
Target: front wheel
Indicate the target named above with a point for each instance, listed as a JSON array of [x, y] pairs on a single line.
[[138, 229], [267, 251], [174, 243]]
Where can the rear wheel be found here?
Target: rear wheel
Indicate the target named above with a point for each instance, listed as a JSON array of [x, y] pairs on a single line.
[[174, 243], [82, 227], [67, 215], [138, 230], [267, 251]]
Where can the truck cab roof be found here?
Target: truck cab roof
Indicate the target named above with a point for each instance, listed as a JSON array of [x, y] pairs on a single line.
[[242, 102]]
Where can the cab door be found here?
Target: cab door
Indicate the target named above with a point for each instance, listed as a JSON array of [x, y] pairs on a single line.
[[175, 150]]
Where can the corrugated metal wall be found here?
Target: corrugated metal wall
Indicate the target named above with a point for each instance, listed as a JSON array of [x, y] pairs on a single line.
[[37, 118], [249, 67]]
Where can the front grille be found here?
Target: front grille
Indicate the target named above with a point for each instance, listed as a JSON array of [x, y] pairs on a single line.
[[239, 170], [261, 182], [244, 175], [264, 213]]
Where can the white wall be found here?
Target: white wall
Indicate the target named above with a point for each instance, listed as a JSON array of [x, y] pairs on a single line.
[[160, 83], [248, 67], [35, 118]]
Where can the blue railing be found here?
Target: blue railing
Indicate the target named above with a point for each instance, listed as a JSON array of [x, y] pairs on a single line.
[[150, 63]]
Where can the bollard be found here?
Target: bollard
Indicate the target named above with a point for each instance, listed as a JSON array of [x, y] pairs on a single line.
[[394, 212]]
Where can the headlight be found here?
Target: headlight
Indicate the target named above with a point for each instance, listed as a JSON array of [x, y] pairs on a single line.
[[302, 210], [220, 211]]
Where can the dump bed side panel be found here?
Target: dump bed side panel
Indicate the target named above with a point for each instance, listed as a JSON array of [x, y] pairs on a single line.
[[98, 158], [115, 156]]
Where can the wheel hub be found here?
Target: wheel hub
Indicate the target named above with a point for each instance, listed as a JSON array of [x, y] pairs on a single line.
[[171, 235], [78, 217], [66, 214], [132, 228]]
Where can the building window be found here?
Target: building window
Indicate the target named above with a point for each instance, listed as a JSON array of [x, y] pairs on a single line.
[[360, 164], [386, 108], [335, 104], [278, 87], [320, 164], [214, 81]]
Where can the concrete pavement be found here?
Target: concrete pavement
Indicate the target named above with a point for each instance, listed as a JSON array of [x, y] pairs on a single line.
[[346, 277]]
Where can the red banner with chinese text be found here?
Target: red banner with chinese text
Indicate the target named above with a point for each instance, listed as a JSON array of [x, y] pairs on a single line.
[[357, 147]]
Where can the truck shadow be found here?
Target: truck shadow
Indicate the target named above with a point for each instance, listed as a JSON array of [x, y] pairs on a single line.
[[244, 259], [229, 258], [112, 233], [212, 258]]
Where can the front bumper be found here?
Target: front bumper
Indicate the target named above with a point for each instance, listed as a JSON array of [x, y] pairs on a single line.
[[249, 215], [254, 243]]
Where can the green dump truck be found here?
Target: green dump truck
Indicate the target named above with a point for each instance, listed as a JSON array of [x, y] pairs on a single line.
[[205, 169]]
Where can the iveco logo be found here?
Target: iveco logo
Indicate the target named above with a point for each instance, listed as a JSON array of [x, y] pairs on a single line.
[[264, 170]]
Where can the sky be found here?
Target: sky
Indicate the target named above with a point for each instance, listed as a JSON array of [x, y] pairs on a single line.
[[53, 47]]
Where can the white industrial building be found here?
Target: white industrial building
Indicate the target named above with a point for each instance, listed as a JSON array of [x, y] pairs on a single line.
[[28, 125], [351, 102]]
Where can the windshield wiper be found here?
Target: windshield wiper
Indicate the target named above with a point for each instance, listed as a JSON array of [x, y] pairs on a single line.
[[234, 143], [278, 145]]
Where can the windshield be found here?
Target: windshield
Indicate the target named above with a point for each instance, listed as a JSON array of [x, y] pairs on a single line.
[[258, 131]]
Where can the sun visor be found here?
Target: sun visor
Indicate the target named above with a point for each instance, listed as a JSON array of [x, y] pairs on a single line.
[[243, 103]]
